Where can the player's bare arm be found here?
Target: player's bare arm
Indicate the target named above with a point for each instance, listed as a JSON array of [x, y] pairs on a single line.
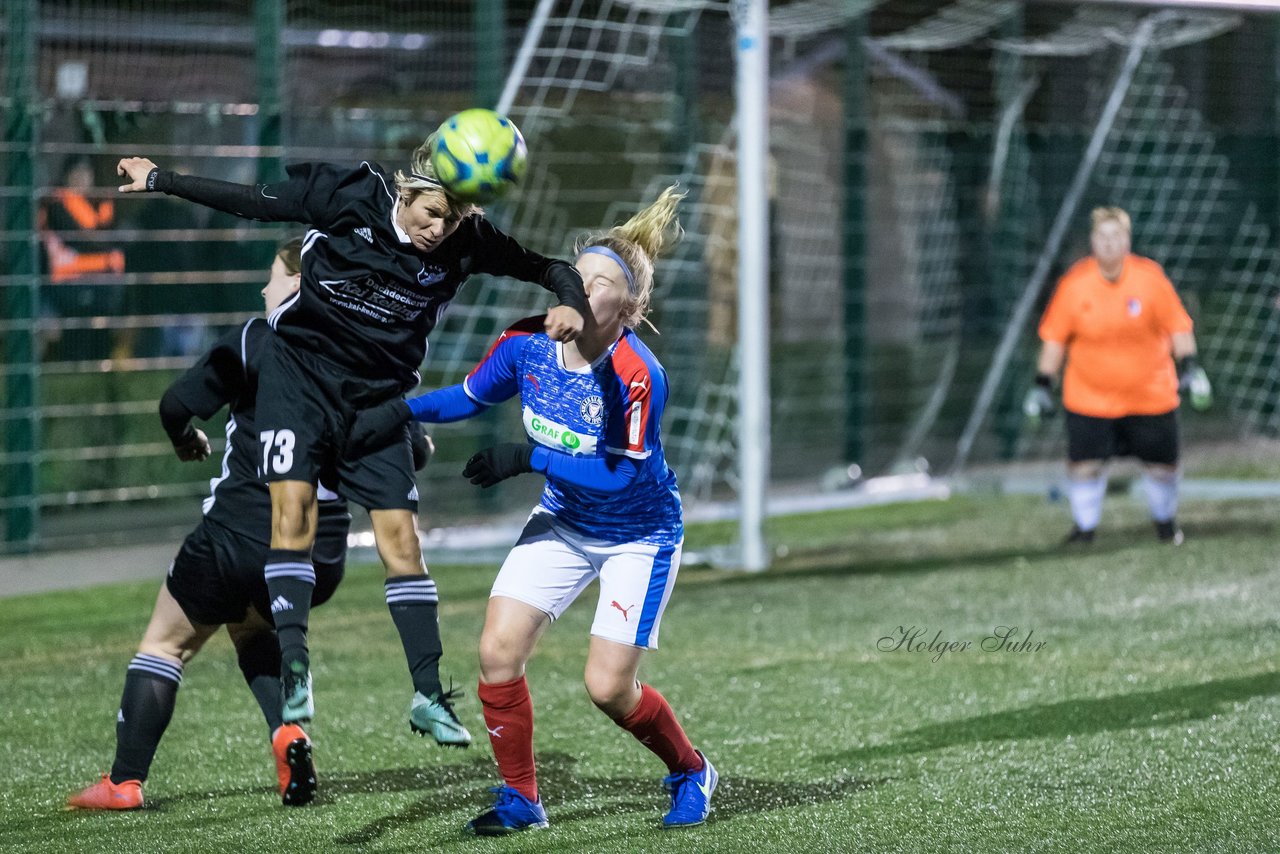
[[1184, 344], [1052, 355]]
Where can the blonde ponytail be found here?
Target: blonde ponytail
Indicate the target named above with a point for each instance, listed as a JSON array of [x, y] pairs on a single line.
[[640, 241]]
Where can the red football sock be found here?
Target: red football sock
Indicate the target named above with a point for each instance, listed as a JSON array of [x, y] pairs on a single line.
[[508, 715], [656, 727]]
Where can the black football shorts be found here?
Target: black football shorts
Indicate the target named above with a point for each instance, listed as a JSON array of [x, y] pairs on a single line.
[[1150, 438], [217, 573], [304, 410]]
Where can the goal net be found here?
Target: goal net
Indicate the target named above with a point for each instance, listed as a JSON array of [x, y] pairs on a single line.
[[921, 153]]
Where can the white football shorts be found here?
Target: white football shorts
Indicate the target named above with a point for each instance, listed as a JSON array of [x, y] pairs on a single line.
[[551, 564]]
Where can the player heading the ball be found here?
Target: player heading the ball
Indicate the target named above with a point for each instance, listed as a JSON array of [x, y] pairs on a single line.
[[478, 155]]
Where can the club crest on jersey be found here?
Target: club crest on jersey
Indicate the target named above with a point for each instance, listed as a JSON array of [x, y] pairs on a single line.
[[431, 275], [592, 410], [1135, 306]]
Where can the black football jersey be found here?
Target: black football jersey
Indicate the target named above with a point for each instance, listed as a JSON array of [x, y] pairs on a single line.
[[238, 499], [369, 298]]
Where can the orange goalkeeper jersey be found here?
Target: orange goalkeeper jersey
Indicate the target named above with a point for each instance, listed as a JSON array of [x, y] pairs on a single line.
[[1117, 338]]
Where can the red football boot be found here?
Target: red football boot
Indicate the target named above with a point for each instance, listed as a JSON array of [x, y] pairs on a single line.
[[294, 769], [106, 795]]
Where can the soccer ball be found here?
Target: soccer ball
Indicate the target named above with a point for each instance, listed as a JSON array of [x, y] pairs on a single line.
[[478, 155]]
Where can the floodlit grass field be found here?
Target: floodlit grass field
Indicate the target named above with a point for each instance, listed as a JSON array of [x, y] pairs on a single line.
[[1148, 721]]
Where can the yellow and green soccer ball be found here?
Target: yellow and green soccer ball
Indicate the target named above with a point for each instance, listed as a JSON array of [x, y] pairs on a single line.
[[479, 155]]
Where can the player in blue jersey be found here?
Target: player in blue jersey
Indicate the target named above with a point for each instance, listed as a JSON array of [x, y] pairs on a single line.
[[610, 511], [216, 577], [385, 255]]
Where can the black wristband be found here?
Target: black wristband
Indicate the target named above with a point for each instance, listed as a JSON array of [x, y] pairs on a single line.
[[152, 177], [1044, 381], [564, 280]]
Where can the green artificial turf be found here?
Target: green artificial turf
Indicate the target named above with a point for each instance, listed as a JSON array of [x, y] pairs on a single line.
[[1147, 720]]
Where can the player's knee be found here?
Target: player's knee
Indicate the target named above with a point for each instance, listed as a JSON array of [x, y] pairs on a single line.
[[1085, 470], [611, 694], [501, 660], [180, 650], [399, 547], [402, 557]]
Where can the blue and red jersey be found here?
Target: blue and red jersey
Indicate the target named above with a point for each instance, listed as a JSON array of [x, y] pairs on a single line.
[[608, 410]]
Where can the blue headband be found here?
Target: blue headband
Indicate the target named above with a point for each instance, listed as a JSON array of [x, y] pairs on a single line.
[[615, 257]]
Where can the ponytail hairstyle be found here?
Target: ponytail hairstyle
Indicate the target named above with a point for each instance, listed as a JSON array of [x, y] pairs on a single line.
[[422, 179], [290, 254], [639, 242]]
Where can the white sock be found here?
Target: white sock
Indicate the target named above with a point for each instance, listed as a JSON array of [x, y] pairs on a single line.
[[1085, 497], [1162, 496]]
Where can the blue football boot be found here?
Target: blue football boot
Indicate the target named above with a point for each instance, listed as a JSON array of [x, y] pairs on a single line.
[[512, 812], [690, 795]]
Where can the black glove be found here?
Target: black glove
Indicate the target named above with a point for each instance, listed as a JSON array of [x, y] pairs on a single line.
[[1039, 402], [423, 448], [499, 463], [377, 427]]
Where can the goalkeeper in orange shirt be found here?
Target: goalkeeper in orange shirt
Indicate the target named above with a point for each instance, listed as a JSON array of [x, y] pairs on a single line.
[[1117, 322]]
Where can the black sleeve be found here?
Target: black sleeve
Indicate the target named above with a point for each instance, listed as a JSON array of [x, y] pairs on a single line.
[[313, 193], [210, 384], [564, 280], [175, 417], [499, 254]]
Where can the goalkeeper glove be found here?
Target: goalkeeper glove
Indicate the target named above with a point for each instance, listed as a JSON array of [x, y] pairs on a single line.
[[1194, 382], [377, 427], [1039, 400], [499, 463]]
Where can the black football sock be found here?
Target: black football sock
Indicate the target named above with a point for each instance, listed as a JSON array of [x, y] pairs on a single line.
[[150, 690], [290, 581], [414, 605], [259, 659]]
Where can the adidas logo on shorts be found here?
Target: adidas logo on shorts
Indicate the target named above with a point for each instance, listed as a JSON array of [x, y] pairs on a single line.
[[281, 604], [366, 233]]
